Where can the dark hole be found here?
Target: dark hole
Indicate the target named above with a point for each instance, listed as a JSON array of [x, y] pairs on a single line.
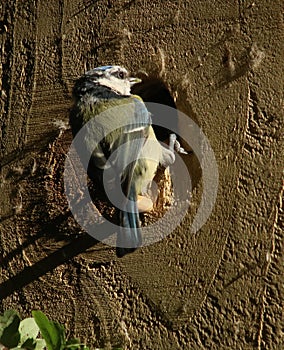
[[155, 91]]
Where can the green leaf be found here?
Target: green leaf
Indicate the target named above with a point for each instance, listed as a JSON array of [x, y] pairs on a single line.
[[52, 332], [9, 329], [29, 344], [28, 330], [75, 344], [73, 341], [40, 344], [7, 318], [4, 319]]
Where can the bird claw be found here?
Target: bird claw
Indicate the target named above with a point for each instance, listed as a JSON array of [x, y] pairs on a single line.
[[178, 148], [175, 145]]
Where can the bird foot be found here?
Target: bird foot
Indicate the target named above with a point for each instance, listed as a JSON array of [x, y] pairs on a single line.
[[144, 204]]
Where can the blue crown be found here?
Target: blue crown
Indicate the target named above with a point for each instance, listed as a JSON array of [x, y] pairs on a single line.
[[103, 68]]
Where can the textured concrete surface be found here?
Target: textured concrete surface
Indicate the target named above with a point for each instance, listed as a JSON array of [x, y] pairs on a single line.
[[222, 63]]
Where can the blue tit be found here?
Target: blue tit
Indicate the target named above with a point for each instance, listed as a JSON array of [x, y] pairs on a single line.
[[119, 160]]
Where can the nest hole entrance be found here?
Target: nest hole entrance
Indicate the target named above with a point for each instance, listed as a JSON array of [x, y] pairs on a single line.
[[155, 90]]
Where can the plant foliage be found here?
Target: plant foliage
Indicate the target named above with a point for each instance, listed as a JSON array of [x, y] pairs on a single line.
[[35, 333]]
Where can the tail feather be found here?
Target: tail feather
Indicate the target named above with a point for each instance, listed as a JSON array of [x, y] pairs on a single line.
[[129, 237]]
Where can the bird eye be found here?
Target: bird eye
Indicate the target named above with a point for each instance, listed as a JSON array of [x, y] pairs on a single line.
[[121, 75]]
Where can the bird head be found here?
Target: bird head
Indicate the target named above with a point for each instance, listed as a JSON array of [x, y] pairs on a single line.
[[115, 78]]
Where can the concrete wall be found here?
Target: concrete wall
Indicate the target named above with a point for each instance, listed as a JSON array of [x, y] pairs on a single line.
[[222, 63]]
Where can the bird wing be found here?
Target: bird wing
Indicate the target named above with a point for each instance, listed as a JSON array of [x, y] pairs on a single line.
[[116, 135], [132, 140], [133, 135]]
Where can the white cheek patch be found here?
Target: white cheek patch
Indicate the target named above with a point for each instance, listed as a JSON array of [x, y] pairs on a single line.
[[120, 86]]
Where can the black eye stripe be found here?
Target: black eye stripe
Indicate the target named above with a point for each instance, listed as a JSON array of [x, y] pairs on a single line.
[[120, 74]]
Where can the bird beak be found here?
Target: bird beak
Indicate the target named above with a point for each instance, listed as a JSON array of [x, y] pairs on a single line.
[[134, 81]]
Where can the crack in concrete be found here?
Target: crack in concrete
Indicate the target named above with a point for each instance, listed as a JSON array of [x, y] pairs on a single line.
[[269, 255]]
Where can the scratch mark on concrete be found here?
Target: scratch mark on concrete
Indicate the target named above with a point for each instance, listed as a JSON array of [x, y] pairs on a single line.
[[269, 258]]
